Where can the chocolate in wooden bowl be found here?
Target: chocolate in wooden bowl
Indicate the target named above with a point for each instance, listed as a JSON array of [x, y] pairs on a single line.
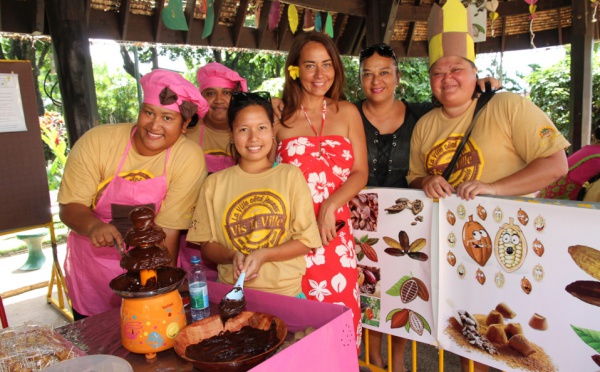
[[212, 326]]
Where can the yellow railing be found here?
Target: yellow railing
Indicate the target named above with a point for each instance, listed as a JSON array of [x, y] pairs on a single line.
[[374, 368]]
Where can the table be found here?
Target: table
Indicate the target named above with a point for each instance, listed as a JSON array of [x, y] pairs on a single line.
[[333, 337]]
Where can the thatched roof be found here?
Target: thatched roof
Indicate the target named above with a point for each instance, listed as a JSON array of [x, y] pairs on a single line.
[[356, 23]]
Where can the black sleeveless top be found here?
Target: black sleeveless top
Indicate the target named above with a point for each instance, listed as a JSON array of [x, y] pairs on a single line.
[[389, 154]]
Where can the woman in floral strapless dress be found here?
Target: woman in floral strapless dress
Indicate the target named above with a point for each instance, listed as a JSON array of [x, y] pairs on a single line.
[[322, 134]]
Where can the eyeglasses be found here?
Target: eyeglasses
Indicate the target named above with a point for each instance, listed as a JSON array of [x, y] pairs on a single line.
[[383, 50], [240, 97]]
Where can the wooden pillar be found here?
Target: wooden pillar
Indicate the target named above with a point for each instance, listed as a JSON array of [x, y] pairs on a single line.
[[381, 18], [68, 29], [581, 74]]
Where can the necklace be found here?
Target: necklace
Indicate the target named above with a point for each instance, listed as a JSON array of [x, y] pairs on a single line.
[[322, 123]]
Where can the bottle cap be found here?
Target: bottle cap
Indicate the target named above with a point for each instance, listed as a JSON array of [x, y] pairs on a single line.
[[195, 260]]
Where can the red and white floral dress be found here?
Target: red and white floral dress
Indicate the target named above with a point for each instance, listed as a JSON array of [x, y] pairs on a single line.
[[331, 271]]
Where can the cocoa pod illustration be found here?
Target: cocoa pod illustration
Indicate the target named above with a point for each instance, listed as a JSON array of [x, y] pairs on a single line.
[[526, 285], [403, 240], [423, 293], [538, 247], [399, 318], [585, 290], [369, 252], [394, 252], [409, 290], [587, 258], [415, 322], [417, 245], [420, 256], [451, 218]]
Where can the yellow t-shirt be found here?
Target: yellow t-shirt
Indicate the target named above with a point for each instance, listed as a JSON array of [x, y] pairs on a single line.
[[246, 212], [95, 158], [510, 133], [214, 142], [593, 193]]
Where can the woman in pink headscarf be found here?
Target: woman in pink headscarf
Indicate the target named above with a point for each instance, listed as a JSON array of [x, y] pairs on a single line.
[[114, 168], [216, 83]]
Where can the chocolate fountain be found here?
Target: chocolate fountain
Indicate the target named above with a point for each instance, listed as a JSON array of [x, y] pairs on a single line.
[[152, 312]]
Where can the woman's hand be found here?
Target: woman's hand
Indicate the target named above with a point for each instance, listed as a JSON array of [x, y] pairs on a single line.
[[106, 235], [470, 189], [436, 187], [238, 262], [495, 83], [253, 263], [326, 222]]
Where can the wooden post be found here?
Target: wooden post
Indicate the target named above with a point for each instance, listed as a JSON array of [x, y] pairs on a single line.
[[68, 29], [581, 75]]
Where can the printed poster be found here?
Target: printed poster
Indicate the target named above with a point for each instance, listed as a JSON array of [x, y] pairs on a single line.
[[519, 284], [392, 231], [12, 118]]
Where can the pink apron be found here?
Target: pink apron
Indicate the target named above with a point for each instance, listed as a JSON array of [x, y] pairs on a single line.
[[88, 269], [215, 163]]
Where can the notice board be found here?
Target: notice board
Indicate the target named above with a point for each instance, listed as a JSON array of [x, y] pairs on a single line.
[[23, 185]]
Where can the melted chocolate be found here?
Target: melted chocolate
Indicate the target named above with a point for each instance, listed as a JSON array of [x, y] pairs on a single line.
[[146, 255], [234, 346], [229, 309], [130, 281], [143, 233], [140, 258]]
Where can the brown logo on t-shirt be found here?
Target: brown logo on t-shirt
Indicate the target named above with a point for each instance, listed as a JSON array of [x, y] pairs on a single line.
[[255, 220], [133, 176], [469, 165]]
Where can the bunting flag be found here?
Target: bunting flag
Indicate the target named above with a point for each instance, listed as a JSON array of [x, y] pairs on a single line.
[[329, 25], [257, 14], [491, 6], [173, 16], [532, 16], [293, 18], [274, 15], [318, 24], [309, 23], [202, 8], [209, 21]]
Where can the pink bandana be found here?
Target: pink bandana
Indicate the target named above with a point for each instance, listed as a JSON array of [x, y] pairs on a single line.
[[175, 97], [215, 75]]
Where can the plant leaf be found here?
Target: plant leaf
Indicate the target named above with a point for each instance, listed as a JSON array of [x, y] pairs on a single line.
[[395, 289], [364, 238], [590, 337], [425, 324]]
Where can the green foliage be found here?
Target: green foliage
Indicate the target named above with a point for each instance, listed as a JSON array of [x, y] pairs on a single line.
[[550, 90], [54, 135], [246, 63], [116, 93], [415, 80]]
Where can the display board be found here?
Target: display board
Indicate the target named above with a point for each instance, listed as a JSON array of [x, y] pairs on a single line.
[[513, 283], [23, 184]]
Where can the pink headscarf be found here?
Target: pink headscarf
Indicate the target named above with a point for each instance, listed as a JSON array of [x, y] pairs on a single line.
[[170, 90], [215, 75]]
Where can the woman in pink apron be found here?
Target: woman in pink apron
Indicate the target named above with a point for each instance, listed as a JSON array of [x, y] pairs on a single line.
[[216, 83], [114, 168]]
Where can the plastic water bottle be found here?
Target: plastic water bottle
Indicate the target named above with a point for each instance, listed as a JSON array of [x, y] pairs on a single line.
[[198, 289]]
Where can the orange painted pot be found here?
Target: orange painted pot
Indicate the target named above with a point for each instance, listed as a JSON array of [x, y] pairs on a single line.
[[150, 324]]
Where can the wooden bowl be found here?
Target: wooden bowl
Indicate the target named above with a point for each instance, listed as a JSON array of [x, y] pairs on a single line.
[[212, 326]]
